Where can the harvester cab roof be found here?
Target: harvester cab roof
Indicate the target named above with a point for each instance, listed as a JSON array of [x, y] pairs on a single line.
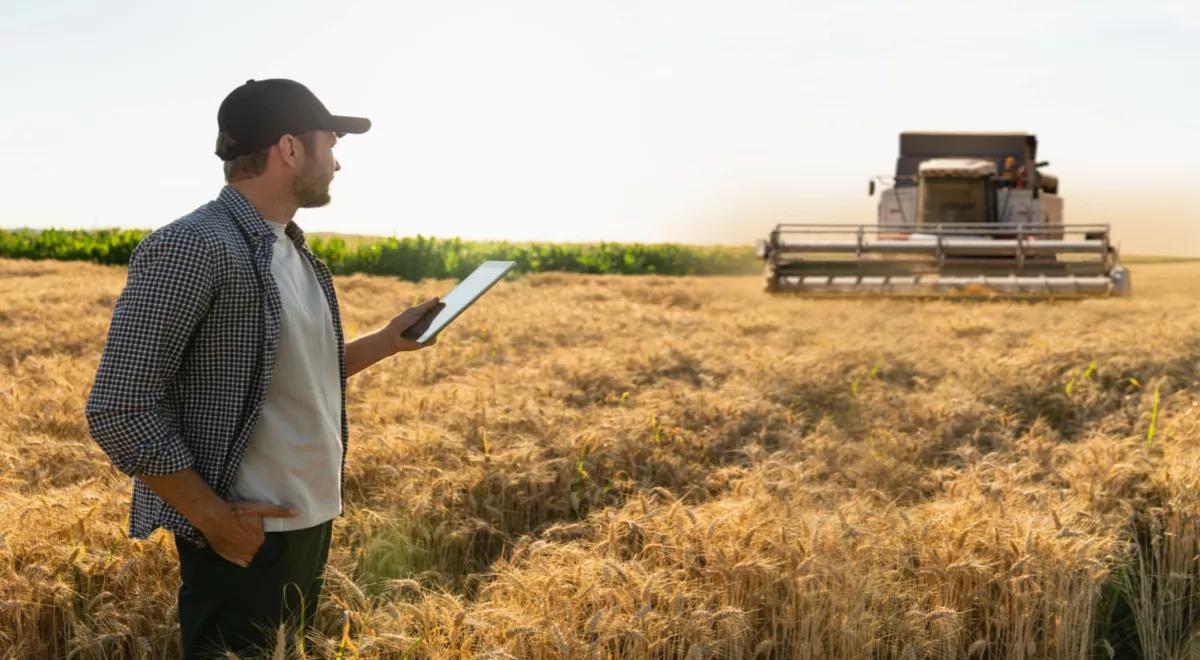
[[957, 168]]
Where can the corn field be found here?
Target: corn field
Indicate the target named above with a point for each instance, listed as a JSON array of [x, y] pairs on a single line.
[[415, 258], [652, 467]]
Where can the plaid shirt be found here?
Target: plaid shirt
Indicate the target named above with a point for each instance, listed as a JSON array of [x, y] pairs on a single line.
[[190, 353]]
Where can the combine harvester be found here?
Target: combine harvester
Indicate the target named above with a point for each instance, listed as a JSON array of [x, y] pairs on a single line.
[[966, 215]]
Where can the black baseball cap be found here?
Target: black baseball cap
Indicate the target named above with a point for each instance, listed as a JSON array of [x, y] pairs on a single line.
[[258, 113]]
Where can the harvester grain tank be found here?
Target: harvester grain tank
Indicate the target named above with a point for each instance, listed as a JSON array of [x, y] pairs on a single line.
[[965, 214]]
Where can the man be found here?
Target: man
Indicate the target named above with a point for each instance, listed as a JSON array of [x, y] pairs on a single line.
[[1009, 175], [222, 386]]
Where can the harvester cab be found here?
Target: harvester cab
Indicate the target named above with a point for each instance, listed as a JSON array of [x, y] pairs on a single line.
[[956, 191], [964, 215]]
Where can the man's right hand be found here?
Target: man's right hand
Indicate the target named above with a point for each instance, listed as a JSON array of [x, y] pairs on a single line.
[[235, 531]]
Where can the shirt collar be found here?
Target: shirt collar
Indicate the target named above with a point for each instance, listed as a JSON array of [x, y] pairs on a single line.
[[255, 226]]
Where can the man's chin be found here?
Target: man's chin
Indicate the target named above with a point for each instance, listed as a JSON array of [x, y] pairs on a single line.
[[308, 193], [312, 198], [315, 202]]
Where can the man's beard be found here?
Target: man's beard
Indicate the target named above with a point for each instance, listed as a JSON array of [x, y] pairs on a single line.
[[311, 189]]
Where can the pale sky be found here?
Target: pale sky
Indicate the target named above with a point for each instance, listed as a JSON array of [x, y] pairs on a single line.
[[580, 120]]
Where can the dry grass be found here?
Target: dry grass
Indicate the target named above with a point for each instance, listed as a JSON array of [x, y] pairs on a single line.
[[673, 468]]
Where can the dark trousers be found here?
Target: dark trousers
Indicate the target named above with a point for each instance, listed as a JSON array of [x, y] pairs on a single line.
[[223, 606]]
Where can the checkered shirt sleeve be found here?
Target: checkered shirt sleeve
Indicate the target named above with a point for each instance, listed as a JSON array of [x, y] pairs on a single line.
[[168, 291]]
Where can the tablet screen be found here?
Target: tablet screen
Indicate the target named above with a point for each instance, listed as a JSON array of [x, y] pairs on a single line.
[[453, 303]]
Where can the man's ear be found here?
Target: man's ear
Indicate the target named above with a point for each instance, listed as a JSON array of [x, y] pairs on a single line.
[[290, 150]]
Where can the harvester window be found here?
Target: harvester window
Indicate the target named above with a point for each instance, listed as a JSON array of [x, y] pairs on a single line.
[[953, 201]]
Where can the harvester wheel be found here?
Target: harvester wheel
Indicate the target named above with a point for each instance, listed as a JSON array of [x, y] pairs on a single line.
[[1122, 285]]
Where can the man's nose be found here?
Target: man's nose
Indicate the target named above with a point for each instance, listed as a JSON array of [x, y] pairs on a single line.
[[336, 165]]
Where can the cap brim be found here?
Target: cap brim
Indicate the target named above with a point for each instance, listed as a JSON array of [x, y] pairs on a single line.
[[342, 125]]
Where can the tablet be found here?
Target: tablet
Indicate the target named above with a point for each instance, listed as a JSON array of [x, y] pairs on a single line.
[[453, 303]]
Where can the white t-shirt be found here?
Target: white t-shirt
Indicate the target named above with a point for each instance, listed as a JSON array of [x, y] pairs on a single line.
[[294, 455]]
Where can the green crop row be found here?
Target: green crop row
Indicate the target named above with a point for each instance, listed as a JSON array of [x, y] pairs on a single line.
[[106, 246], [414, 258]]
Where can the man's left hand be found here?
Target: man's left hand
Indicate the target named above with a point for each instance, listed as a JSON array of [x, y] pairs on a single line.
[[405, 320]]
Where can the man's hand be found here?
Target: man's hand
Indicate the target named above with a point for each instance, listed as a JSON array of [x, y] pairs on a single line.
[[405, 320], [235, 531], [389, 340]]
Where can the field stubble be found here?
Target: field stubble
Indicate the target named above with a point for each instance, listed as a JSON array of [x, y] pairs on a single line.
[[591, 466]]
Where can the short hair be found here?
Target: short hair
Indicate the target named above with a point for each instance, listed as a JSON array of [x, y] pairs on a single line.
[[254, 164]]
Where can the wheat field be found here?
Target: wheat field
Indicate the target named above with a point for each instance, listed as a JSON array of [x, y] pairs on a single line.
[[652, 467]]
